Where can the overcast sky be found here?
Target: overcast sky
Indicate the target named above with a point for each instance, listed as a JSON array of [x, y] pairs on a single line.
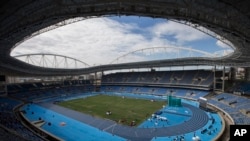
[[101, 40]]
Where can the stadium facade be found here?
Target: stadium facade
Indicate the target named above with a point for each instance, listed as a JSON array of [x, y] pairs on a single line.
[[26, 19]]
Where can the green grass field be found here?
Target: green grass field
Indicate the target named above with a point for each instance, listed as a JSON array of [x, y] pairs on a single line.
[[124, 110]]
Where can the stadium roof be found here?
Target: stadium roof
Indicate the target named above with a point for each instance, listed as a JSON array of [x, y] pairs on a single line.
[[21, 20]]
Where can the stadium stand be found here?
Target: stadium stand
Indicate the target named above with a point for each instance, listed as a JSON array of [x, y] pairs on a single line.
[[236, 106], [166, 83], [197, 79], [190, 84], [242, 88], [158, 91], [11, 125], [7, 135], [39, 91], [143, 84]]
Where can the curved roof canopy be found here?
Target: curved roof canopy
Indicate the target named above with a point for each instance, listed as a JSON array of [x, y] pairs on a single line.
[[21, 20]]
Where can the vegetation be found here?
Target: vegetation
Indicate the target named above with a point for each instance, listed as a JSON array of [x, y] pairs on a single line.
[[125, 111]]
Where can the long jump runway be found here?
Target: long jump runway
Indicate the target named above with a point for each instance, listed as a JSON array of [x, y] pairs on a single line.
[[198, 120]]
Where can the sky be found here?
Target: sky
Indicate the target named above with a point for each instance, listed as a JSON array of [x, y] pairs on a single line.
[[103, 40]]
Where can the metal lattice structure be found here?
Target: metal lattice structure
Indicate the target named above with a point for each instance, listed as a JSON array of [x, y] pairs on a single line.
[[52, 61], [21, 20], [169, 53]]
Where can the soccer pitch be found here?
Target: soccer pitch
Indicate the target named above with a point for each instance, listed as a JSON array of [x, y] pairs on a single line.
[[123, 110]]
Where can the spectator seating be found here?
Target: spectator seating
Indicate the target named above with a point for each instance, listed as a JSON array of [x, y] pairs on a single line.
[[45, 94], [159, 91], [9, 136], [9, 121], [236, 106], [199, 79], [242, 88], [41, 90], [27, 87]]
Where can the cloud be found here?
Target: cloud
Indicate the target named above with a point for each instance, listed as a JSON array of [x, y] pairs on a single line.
[[222, 45], [94, 41], [101, 40], [181, 33]]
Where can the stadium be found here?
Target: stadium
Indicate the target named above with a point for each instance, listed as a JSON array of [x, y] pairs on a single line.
[[134, 100]]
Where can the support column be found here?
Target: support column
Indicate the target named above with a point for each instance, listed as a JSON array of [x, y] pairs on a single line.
[[3, 85], [214, 79], [247, 74], [95, 81], [6, 89], [223, 79]]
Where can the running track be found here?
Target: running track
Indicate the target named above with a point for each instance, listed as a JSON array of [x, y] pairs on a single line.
[[198, 120]]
